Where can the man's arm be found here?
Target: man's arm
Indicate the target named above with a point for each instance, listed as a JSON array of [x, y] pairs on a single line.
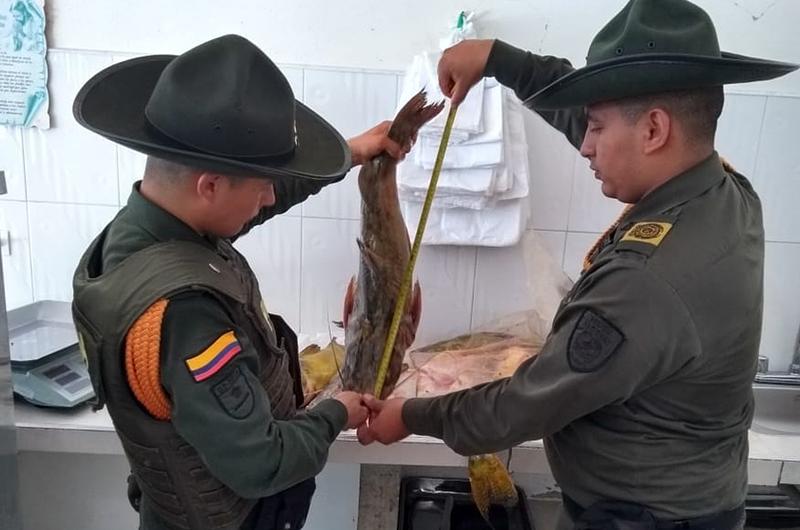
[[527, 73], [227, 417], [292, 191], [462, 65], [622, 332]]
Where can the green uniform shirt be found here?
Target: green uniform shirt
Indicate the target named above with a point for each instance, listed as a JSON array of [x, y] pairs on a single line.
[[253, 454], [642, 391]]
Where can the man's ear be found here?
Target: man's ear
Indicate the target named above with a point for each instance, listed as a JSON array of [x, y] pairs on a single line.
[[657, 126], [208, 185]]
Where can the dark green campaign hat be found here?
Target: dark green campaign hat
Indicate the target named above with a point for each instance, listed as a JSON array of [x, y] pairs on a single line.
[[654, 46], [222, 106]]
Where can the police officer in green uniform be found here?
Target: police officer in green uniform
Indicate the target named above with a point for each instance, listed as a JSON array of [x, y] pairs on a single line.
[[202, 383], [642, 391]]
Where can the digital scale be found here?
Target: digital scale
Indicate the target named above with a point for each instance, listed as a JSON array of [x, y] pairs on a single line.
[[47, 367]]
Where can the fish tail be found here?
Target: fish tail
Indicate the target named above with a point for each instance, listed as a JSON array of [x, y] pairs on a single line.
[[414, 114]]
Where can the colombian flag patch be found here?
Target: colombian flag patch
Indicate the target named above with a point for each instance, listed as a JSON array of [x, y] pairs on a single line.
[[212, 359]]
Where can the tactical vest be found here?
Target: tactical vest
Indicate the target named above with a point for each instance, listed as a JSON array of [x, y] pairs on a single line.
[[178, 485]]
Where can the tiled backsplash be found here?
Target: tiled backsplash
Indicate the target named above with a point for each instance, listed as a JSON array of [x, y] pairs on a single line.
[[66, 183]]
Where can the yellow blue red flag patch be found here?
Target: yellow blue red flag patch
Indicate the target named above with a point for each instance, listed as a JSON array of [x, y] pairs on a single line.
[[212, 359]]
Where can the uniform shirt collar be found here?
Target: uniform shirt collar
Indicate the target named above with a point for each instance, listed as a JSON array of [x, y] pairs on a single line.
[[679, 189]]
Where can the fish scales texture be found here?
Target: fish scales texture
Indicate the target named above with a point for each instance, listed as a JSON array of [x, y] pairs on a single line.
[[385, 251]]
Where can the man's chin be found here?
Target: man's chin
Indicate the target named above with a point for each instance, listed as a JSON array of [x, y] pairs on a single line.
[[608, 190]]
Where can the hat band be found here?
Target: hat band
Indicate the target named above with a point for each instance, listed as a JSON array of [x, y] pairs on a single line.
[[281, 156]]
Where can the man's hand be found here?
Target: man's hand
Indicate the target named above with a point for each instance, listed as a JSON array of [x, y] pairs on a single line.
[[356, 411], [373, 142], [385, 421], [461, 66]]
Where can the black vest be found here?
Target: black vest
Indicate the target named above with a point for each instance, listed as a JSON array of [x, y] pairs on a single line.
[[169, 471]]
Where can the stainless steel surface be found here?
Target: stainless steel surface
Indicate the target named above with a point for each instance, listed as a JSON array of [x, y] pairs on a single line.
[[9, 502], [794, 367], [778, 378], [39, 329], [790, 377], [777, 409], [47, 368], [763, 364]]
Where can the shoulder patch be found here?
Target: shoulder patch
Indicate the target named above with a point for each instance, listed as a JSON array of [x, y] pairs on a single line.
[[212, 359], [235, 394], [651, 233], [593, 341]]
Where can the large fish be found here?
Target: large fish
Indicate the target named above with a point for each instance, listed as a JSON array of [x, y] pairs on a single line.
[[385, 250]]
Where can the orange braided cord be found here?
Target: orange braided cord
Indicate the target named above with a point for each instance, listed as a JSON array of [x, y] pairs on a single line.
[[587, 260], [142, 349]]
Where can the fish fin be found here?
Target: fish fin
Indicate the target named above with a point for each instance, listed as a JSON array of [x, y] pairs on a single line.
[[369, 255], [416, 306], [349, 299], [490, 483]]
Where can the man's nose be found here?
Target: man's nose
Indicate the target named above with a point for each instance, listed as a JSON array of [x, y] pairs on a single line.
[[587, 149]]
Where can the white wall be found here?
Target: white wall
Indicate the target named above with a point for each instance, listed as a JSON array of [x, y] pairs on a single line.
[[65, 183], [364, 34]]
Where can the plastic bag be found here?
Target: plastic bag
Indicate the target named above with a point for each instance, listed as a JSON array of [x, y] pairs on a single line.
[[495, 350]]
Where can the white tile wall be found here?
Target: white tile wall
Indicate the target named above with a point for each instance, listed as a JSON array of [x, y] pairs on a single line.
[[578, 243], [352, 102], [295, 77], [739, 130], [589, 209], [446, 277], [781, 305], [130, 166], [554, 243], [16, 253], [67, 163], [305, 258], [777, 174], [11, 161], [59, 235], [329, 260], [551, 164], [501, 284], [273, 251]]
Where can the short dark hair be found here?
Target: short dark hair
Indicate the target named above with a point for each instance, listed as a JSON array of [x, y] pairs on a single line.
[[167, 171], [698, 110]]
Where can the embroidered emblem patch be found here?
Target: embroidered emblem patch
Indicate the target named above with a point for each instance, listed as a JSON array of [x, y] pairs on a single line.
[[212, 359], [235, 394], [593, 341], [651, 233]]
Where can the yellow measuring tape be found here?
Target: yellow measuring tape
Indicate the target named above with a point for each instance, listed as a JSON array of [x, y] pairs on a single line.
[[405, 287]]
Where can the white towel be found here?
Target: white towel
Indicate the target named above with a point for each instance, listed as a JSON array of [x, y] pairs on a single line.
[[421, 74], [476, 188], [499, 226], [480, 150], [412, 178]]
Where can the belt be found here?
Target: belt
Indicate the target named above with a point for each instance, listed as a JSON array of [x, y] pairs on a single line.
[[619, 515]]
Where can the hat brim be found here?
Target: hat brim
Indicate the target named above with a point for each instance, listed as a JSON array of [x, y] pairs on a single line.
[[638, 75], [112, 104]]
